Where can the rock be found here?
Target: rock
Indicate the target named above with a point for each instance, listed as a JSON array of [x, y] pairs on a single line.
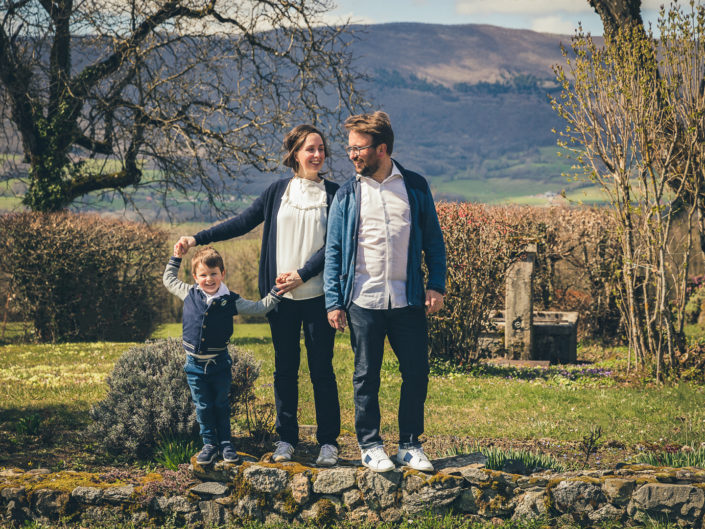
[[17, 494], [363, 515], [662, 500], [334, 481], [532, 482], [477, 476], [139, 518], [248, 508], [117, 495], [209, 490], [529, 506], [274, 519], [324, 511], [618, 491], [218, 471], [300, 487], [178, 505], [192, 518], [378, 489], [490, 503], [10, 472], [211, 513], [392, 515], [606, 513], [456, 464], [435, 495], [49, 503], [352, 498], [466, 501], [577, 497], [266, 479], [38, 472], [87, 495]]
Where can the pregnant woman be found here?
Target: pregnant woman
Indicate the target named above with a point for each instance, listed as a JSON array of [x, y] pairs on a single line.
[[294, 211]]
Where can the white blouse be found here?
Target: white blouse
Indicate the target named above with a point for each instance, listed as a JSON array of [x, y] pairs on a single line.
[[301, 232]]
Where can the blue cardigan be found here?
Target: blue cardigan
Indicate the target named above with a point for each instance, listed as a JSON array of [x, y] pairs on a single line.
[[425, 236], [265, 209]]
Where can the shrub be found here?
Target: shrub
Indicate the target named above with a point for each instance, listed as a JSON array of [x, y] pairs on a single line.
[[148, 398], [81, 277], [576, 270]]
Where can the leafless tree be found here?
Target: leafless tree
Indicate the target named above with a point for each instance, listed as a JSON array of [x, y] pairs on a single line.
[[181, 95]]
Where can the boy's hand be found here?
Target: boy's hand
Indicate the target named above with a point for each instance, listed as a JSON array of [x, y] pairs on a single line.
[[182, 246], [287, 281], [434, 301]]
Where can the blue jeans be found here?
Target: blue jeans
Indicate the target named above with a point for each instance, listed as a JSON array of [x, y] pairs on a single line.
[[286, 321], [407, 331], [210, 388]]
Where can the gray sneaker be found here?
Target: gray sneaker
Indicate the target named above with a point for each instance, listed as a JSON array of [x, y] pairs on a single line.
[[284, 452], [328, 456], [207, 454]]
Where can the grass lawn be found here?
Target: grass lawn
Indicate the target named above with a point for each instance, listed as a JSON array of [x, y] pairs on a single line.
[[58, 384]]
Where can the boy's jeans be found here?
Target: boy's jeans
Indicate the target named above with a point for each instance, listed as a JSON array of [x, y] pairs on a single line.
[[407, 331], [210, 388]]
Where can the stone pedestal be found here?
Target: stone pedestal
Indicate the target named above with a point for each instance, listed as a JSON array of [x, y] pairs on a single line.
[[518, 329]]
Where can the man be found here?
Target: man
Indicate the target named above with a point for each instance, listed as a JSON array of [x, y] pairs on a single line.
[[379, 224]]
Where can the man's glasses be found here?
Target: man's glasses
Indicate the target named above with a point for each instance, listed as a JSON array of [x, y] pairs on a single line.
[[356, 150]]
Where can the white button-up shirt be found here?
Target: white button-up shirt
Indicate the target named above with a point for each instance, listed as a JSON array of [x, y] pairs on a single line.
[[383, 243]]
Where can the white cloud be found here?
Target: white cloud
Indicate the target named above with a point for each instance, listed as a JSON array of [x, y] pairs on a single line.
[[529, 7], [553, 24]]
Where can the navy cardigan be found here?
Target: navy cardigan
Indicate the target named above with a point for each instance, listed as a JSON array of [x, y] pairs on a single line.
[[265, 209]]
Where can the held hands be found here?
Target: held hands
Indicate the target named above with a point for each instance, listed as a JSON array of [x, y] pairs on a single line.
[[287, 281], [434, 301], [337, 319], [182, 246]]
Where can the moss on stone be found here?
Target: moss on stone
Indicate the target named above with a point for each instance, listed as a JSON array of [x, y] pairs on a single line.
[[326, 514], [65, 481], [290, 507]]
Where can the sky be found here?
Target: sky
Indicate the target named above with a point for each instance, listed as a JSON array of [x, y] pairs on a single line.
[[547, 16]]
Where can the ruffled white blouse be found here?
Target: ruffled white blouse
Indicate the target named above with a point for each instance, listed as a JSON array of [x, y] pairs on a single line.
[[301, 232]]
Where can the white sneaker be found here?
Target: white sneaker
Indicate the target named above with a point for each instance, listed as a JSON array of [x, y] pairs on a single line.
[[376, 459], [283, 452], [415, 458], [328, 456]]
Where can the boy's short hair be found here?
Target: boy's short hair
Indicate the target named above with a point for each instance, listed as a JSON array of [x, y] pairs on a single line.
[[207, 256], [376, 124]]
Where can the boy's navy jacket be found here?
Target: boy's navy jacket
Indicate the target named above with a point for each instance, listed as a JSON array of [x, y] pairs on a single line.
[[265, 209], [425, 236], [207, 327]]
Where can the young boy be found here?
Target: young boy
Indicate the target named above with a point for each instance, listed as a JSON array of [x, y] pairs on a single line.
[[209, 308]]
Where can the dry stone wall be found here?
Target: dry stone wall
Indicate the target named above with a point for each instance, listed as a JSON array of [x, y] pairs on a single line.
[[291, 492]]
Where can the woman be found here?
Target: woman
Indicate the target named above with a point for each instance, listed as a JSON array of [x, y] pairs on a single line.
[[294, 211]]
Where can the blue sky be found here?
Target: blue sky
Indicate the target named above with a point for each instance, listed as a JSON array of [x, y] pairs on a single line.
[[550, 16]]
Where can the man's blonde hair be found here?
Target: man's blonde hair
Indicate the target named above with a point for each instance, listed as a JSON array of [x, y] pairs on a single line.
[[207, 256], [376, 124]]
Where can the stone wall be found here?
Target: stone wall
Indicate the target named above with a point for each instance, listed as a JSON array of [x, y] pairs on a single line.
[[293, 492]]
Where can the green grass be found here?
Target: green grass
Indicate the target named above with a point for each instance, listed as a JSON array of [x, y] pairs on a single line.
[[494, 406], [68, 378]]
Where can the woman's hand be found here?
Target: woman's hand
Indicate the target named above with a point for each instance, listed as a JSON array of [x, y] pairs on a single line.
[[182, 245], [287, 281]]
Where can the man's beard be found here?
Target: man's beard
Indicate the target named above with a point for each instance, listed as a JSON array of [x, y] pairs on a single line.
[[370, 168]]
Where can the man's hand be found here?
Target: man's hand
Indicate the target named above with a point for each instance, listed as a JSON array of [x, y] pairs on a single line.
[[183, 245], [434, 302], [337, 319]]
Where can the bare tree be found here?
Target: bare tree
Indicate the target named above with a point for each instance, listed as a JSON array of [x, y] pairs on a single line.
[[635, 123], [180, 95]]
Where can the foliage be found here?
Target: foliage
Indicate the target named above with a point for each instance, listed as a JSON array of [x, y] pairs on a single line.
[[634, 110], [171, 451], [148, 398], [574, 270], [676, 457], [84, 277], [498, 458], [176, 96]]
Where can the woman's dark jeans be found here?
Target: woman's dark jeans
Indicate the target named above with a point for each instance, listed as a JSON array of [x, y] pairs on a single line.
[[286, 321], [407, 331]]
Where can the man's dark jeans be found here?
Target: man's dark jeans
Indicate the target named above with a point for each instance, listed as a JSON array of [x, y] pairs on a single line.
[[286, 321], [407, 331]]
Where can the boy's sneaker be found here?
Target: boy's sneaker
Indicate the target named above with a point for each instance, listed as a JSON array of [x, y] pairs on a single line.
[[283, 452], [228, 451], [207, 454], [376, 459], [415, 458], [328, 456]]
